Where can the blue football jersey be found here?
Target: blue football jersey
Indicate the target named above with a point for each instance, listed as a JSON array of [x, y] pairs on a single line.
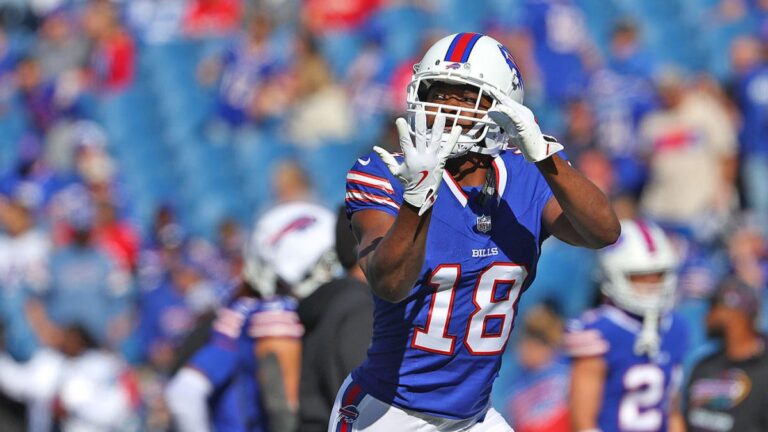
[[229, 362], [638, 390], [439, 350]]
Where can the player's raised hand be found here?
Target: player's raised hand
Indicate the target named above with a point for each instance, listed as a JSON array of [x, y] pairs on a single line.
[[518, 121], [424, 159]]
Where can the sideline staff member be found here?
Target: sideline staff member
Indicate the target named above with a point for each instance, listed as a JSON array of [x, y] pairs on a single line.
[[728, 391]]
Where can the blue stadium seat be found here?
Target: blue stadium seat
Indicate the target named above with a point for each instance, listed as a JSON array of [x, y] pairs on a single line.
[[340, 49], [456, 16], [401, 29], [327, 166]]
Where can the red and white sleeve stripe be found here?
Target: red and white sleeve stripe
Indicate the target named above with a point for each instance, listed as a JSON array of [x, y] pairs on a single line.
[[585, 343], [275, 324], [370, 198], [371, 181]]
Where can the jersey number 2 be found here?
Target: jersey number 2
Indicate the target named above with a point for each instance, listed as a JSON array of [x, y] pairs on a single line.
[[434, 337], [639, 410]]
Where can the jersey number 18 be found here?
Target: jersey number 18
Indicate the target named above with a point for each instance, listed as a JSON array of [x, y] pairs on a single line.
[[434, 337]]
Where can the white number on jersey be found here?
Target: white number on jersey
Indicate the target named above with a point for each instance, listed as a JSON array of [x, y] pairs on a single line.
[[434, 337], [645, 389]]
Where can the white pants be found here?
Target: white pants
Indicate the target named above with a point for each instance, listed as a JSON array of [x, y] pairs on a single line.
[[361, 412]]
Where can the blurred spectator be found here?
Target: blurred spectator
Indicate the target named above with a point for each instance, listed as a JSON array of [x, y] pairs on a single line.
[[580, 126], [8, 58], [561, 45], [155, 21], [321, 16], [229, 253], [60, 48], [691, 145], [750, 93], [84, 285], [45, 102], [170, 311], [24, 250], [73, 386], [538, 399], [79, 149], [320, 110], [748, 253], [338, 323], [621, 94], [290, 182], [113, 55], [368, 79], [726, 390], [163, 246], [33, 177], [627, 56], [116, 237], [598, 168], [211, 18], [244, 69]]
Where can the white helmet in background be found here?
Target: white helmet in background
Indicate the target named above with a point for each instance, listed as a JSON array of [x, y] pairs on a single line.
[[292, 244], [642, 248], [467, 59]]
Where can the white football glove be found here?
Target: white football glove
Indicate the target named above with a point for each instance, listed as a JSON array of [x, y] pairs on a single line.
[[518, 121], [423, 163]]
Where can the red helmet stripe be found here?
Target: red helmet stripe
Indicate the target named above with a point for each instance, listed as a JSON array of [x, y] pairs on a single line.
[[461, 47], [646, 232]]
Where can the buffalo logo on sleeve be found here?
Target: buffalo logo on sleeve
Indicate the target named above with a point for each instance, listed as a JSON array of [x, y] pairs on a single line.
[[348, 412]]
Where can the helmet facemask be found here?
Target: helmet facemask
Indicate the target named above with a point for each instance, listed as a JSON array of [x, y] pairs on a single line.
[[481, 129], [641, 297]]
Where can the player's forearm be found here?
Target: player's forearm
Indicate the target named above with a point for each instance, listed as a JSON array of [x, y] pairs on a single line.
[[583, 414], [584, 204], [586, 392], [676, 421], [393, 268]]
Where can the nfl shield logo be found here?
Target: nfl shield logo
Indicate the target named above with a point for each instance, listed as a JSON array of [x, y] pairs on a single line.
[[483, 223]]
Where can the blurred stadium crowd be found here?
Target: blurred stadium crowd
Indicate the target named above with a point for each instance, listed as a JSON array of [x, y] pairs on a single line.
[[139, 139]]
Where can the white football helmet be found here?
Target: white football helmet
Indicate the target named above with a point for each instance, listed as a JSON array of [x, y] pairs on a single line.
[[292, 243], [474, 59], [642, 248]]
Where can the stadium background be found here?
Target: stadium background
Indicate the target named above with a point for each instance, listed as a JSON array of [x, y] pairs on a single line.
[[168, 125]]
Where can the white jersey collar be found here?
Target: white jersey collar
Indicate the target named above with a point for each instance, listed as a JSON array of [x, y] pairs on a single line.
[[499, 168]]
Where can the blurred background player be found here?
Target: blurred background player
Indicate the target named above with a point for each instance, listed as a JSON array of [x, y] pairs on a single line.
[[727, 390], [449, 236], [628, 354], [246, 377], [338, 320]]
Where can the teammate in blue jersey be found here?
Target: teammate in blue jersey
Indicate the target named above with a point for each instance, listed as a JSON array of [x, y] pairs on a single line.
[[628, 354], [246, 377], [449, 235]]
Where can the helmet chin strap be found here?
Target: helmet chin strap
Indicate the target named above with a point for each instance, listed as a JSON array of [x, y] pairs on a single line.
[[648, 341]]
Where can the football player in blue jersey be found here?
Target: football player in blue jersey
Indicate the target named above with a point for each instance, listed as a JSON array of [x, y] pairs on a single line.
[[246, 377], [628, 354], [449, 234]]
